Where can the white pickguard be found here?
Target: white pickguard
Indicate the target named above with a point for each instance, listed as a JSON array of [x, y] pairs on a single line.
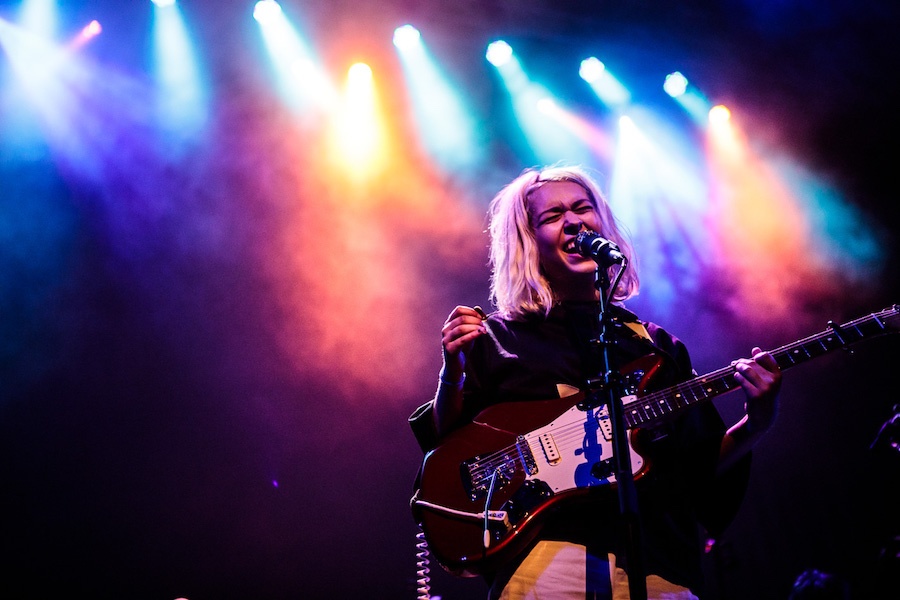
[[566, 449]]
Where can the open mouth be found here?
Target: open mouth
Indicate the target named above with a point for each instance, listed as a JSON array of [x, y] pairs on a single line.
[[569, 247]]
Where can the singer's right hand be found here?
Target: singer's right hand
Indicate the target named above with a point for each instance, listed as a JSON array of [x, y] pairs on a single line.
[[457, 337]]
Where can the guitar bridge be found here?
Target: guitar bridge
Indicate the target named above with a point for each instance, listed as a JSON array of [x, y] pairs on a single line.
[[476, 473]]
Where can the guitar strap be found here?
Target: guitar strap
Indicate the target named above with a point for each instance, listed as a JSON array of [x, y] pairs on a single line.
[[645, 344], [639, 330]]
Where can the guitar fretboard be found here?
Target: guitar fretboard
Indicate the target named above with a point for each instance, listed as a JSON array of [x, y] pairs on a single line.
[[658, 405]]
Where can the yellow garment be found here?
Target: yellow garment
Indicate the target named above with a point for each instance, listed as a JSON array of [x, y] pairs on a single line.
[[557, 571], [638, 328]]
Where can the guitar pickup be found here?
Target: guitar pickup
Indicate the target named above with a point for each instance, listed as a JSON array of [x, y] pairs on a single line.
[[604, 422], [548, 445]]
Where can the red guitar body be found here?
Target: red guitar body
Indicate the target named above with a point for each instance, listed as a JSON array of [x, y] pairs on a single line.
[[485, 491]]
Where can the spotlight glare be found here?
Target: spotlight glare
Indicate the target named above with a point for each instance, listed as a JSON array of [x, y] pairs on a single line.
[[360, 72], [719, 115], [498, 53], [591, 69], [546, 105], [91, 29], [87, 33], [406, 36], [626, 124], [163, 3], [265, 11], [675, 84]]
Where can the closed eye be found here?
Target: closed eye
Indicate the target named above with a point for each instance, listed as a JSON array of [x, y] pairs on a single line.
[[550, 218], [553, 214]]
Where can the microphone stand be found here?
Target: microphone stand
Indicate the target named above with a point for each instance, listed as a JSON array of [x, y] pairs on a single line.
[[610, 381]]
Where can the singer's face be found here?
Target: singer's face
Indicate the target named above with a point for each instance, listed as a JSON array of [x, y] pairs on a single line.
[[559, 210]]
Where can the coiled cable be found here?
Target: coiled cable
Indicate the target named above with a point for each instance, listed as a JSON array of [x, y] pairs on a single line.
[[423, 580]]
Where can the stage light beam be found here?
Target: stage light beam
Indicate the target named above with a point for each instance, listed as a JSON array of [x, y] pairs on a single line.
[[39, 17], [302, 83], [359, 138], [605, 85], [694, 103], [181, 98], [532, 102], [445, 126], [589, 133]]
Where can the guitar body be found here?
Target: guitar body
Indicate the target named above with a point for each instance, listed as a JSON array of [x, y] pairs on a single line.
[[539, 453], [485, 491]]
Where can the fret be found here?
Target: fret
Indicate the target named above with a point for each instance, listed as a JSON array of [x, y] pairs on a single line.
[[630, 421], [699, 393], [729, 383], [661, 403], [829, 343], [803, 352], [832, 342], [634, 417], [785, 359], [872, 327], [664, 405], [714, 386], [860, 334], [693, 398], [635, 413]]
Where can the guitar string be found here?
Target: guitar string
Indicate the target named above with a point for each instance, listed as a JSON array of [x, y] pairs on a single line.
[[565, 436], [645, 406], [698, 390]]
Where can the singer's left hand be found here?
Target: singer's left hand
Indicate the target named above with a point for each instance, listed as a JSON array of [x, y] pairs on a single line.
[[760, 377]]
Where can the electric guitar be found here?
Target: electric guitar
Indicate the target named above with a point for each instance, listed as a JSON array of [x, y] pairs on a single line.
[[485, 490]]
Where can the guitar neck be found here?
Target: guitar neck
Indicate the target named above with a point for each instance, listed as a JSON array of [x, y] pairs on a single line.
[[656, 406]]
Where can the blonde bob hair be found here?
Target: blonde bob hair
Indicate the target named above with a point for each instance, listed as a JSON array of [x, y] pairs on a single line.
[[518, 284]]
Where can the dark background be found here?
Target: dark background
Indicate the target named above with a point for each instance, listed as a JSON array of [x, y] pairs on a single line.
[[204, 382]]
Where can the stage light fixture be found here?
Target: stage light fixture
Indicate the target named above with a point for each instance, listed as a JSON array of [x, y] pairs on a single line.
[[87, 33], [91, 29], [675, 84], [360, 73], [498, 53], [406, 36], [591, 69], [719, 114], [266, 10]]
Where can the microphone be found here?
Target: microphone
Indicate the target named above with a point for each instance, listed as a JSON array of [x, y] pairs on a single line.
[[601, 250]]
